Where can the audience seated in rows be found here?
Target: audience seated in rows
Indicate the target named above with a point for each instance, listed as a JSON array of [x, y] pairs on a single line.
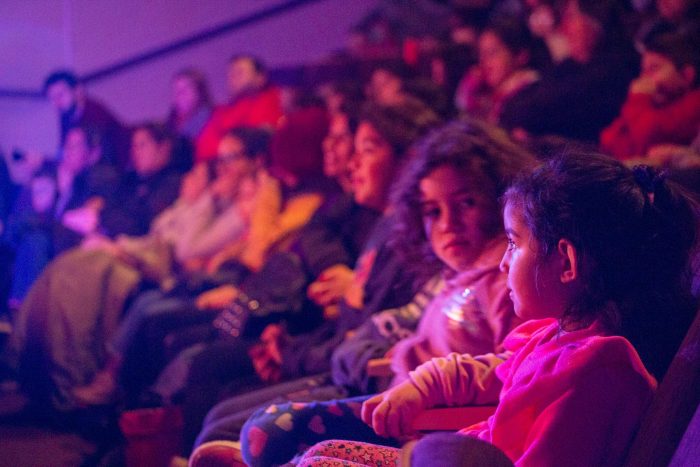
[[234, 287]]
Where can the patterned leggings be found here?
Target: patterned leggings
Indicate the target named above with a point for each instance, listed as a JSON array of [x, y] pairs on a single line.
[[274, 435], [335, 453]]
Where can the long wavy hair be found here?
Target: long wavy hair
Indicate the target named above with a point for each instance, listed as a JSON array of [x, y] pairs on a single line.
[[485, 155]]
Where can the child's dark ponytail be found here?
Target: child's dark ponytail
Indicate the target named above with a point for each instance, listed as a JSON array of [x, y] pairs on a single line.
[[664, 309]]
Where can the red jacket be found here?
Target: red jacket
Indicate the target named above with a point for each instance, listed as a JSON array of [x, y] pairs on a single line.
[[264, 108], [642, 125]]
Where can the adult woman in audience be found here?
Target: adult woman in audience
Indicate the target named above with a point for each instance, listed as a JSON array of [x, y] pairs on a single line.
[[151, 186], [191, 108], [191, 103], [579, 96]]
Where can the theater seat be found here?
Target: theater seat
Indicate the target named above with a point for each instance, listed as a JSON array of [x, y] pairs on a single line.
[[672, 409]]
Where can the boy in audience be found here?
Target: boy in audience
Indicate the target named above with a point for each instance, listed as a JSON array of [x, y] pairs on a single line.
[[663, 103]]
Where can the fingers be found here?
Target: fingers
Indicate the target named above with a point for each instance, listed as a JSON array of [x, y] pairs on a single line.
[[368, 408], [321, 293], [379, 418], [393, 422]]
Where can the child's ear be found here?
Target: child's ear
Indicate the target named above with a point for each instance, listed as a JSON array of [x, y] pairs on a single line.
[[569, 260]]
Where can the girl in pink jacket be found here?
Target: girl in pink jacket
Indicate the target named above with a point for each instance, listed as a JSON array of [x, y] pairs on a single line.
[[596, 260]]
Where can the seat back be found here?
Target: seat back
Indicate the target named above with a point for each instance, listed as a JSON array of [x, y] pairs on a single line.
[[674, 404]]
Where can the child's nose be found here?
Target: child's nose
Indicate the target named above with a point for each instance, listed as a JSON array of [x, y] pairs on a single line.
[[505, 262], [450, 220]]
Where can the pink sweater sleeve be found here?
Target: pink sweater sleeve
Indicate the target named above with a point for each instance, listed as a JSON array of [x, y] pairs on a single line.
[[459, 380]]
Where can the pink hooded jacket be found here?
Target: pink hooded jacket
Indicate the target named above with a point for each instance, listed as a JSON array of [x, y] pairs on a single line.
[[567, 398]]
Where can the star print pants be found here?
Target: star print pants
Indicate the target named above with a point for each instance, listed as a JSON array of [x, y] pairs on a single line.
[[336, 453], [274, 435]]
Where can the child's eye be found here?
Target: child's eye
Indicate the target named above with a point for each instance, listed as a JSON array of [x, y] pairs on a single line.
[[511, 245], [468, 202]]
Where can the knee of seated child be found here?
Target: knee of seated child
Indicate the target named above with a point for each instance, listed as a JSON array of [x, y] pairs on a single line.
[[261, 442], [323, 449]]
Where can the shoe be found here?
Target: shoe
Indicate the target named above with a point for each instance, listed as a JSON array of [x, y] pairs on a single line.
[[101, 391]]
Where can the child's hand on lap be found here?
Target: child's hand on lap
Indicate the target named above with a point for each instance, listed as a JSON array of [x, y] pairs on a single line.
[[391, 413]]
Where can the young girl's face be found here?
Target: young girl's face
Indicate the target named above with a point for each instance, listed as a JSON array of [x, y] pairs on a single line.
[[372, 168], [533, 280], [458, 217], [496, 61]]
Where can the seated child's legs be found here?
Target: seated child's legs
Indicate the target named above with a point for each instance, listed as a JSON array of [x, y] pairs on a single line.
[[350, 453], [275, 434], [225, 421]]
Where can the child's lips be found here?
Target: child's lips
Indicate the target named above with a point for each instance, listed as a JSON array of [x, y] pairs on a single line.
[[456, 243]]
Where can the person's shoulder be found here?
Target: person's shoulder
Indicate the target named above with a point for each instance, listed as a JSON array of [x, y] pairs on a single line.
[[604, 355], [608, 348]]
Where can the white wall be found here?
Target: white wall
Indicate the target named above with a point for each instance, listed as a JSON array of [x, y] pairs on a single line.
[[37, 36]]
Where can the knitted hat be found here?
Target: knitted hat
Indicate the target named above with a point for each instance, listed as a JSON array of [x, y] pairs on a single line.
[[296, 144]]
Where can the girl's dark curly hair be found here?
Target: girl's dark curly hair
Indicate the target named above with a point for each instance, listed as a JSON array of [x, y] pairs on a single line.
[[484, 154]]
